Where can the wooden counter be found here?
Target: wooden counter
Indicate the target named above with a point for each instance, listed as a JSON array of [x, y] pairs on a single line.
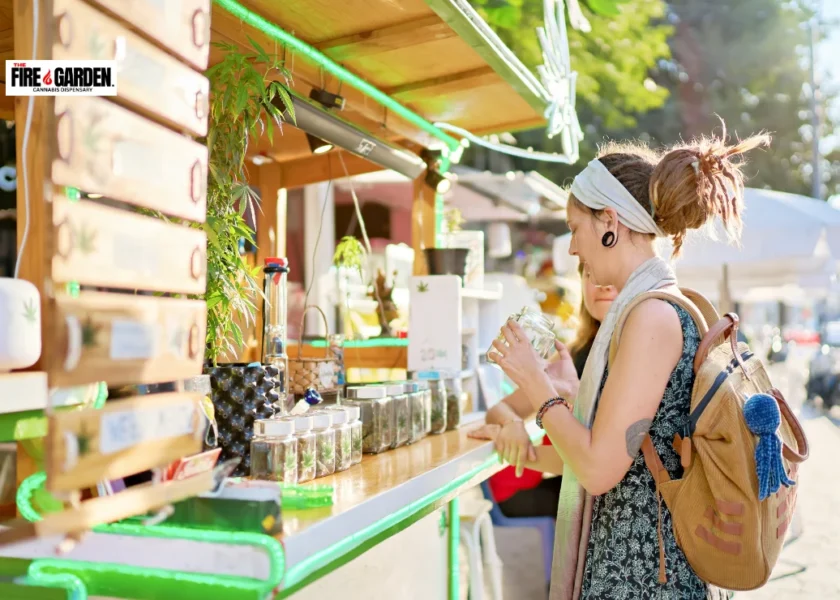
[[372, 502]]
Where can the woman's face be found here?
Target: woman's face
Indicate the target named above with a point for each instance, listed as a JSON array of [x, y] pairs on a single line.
[[587, 231], [597, 299]]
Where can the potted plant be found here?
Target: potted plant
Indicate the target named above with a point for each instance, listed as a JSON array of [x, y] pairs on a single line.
[[242, 87], [448, 261]]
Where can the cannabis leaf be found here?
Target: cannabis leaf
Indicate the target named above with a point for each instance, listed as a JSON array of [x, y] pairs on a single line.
[[422, 287], [89, 333], [83, 440], [85, 239], [30, 311]]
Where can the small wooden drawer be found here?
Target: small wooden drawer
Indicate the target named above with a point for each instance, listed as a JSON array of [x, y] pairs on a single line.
[[125, 437], [105, 149], [182, 26], [148, 79], [108, 247], [124, 339]]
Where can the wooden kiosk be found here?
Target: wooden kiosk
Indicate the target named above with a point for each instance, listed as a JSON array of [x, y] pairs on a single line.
[[399, 66]]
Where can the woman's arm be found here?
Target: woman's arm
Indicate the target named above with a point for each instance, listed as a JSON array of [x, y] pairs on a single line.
[[513, 407], [548, 461], [651, 346]]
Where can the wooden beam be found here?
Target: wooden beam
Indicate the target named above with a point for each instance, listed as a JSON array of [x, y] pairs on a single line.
[[422, 223], [445, 84], [227, 28], [377, 357], [402, 35], [297, 173], [7, 104]]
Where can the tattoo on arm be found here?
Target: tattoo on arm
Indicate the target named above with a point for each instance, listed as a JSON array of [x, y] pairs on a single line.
[[635, 435]]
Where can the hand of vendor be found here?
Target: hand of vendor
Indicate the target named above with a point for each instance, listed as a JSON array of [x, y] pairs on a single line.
[[514, 445], [487, 432]]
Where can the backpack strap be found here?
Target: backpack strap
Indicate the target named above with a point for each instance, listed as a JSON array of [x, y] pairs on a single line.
[[697, 311]]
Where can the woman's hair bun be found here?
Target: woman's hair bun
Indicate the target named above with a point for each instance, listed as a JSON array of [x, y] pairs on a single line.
[[694, 183]]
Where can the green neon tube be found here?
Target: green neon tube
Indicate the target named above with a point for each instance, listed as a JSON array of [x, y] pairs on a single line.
[[454, 547], [270, 29], [75, 587]]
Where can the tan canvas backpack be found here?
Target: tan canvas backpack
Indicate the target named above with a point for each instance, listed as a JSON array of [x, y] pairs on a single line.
[[729, 536]]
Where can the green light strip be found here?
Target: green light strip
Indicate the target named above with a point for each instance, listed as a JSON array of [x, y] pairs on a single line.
[[74, 586], [296, 573], [371, 343], [270, 29], [454, 548]]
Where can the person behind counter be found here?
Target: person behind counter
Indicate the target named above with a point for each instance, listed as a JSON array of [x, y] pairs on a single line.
[[529, 494], [613, 536]]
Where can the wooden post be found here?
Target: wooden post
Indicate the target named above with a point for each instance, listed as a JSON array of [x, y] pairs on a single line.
[[423, 234], [33, 213]]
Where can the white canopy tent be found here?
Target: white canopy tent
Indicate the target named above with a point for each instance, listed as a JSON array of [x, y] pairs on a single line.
[[789, 243]]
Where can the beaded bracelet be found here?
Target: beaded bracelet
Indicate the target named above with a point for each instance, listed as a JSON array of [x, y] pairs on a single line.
[[548, 404]]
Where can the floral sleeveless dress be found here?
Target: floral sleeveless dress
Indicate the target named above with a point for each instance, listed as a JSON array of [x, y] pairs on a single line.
[[622, 559]]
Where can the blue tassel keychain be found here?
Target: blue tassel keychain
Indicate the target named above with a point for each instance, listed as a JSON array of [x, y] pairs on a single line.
[[761, 411]]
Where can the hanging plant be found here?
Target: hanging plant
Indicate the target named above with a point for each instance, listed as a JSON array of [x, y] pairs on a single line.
[[242, 87], [349, 254], [453, 220]]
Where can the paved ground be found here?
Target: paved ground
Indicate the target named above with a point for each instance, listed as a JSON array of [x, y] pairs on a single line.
[[809, 568]]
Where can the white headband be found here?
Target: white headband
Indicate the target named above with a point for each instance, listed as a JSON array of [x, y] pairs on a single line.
[[596, 187]]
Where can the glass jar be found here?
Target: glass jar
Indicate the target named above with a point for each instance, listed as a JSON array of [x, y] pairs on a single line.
[[437, 391], [401, 420], [343, 439], [307, 447], [324, 442], [538, 327], [427, 406], [417, 429], [274, 451], [454, 392], [376, 412], [355, 434]]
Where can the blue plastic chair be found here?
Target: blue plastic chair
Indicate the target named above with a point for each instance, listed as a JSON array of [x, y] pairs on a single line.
[[545, 525]]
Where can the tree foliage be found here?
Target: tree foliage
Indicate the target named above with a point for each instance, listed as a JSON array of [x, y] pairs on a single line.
[[663, 72]]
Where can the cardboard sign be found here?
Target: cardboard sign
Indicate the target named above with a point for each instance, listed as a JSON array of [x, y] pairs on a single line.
[[103, 148], [124, 339], [103, 246], [125, 437], [183, 26], [149, 80]]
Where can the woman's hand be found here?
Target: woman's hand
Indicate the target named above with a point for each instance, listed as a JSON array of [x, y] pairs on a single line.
[[488, 432], [517, 358], [562, 372], [514, 446]]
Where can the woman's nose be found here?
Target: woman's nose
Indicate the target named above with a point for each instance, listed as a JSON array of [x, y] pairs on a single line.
[[572, 249]]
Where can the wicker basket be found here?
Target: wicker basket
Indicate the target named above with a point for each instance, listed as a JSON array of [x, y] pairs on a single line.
[[320, 374]]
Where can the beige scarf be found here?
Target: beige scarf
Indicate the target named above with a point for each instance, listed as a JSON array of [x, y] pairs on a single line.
[[597, 188]]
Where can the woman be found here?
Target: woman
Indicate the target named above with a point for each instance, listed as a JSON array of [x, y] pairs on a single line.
[[529, 494], [610, 542]]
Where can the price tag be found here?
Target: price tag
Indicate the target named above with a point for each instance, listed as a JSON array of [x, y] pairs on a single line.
[[123, 429], [133, 340]]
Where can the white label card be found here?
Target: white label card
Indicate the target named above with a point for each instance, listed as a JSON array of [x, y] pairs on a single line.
[[133, 340], [124, 429]]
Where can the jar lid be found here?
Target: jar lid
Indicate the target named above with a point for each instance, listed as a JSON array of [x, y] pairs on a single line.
[[354, 412], [411, 387], [367, 392], [395, 389], [274, 427], [339, 417], [303, 423], [321, 420]]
